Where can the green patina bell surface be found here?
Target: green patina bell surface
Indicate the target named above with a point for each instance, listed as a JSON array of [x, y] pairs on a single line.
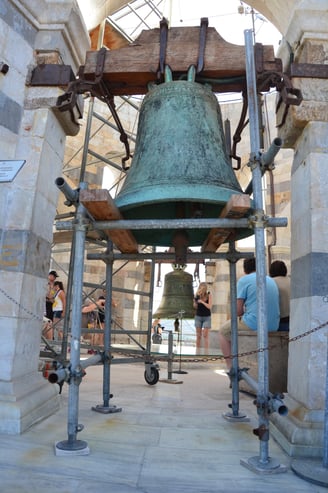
[[180, 168], [178, 295]]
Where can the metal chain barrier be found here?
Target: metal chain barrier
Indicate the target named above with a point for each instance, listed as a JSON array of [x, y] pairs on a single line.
[[248, 353], [205, 359], [26, 310], [37, 317]]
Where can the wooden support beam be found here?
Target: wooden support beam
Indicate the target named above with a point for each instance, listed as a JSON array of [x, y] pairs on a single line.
[[129, 70], [237, 206], [101, 206], [60, 237]]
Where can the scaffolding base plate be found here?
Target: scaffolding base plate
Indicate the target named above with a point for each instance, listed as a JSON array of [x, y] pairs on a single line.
[[271, 467], [66, 447], [106, 409], [170, 380], [311, 470], [241, 417]]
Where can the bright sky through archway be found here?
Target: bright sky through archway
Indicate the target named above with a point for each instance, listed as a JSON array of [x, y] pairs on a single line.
[[230, 18]]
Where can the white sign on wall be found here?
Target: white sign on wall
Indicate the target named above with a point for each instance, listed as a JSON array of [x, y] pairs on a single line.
[[9, 169]]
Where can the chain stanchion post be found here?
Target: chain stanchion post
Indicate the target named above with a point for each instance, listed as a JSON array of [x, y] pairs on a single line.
[[180, 340]]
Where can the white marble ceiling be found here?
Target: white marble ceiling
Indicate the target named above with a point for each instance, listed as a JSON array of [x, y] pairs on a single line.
[[95, 11]]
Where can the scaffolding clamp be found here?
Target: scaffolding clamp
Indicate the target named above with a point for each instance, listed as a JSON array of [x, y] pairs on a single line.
[[262, 432], [254, 161], [267, 405], [258, 219]]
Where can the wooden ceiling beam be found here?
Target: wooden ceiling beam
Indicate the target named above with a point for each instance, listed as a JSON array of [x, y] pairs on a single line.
[[129, 70]]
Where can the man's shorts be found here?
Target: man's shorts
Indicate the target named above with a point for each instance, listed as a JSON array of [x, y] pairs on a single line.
[[225, 329]]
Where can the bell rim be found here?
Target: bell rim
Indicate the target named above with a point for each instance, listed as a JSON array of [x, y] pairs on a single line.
[[202, 193]]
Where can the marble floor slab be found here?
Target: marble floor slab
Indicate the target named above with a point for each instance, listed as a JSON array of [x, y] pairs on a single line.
[[167, 439]]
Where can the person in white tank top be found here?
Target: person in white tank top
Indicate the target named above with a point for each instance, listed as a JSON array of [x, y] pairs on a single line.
[[59, 305]]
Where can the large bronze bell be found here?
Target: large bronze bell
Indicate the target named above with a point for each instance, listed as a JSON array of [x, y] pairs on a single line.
[[180, 167], [178, 295]]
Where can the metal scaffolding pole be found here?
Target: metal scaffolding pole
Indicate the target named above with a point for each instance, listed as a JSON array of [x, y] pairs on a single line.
[[262, 463], [150, 304], [203, 223], [72, 445], [69, 298], [235, 415], [105, 408]]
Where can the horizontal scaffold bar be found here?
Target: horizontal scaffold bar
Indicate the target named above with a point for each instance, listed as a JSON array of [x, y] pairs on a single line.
[[178, 223]]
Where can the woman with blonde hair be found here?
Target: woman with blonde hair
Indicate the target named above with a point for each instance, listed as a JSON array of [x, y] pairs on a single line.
[[203, 306]]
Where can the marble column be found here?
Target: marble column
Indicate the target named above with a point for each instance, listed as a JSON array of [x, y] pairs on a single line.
[[29, 130], [306, 130]]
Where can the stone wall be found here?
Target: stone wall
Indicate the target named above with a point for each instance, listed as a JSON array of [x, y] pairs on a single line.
[[30, 131]]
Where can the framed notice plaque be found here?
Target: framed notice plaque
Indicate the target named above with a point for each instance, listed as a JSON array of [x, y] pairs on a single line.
[[9, 169]]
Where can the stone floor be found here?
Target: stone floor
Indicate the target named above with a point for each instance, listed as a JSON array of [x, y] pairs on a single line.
[[168, 438]]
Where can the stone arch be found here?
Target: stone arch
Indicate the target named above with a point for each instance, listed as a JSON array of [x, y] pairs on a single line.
[[278, 12]]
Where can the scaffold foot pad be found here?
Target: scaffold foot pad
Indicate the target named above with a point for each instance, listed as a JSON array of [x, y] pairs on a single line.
[[170, 380], [311, 470], [241, 417], [106, 409], [272, 466], [77, 447]]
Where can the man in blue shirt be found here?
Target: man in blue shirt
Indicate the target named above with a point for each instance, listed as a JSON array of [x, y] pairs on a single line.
[[247, 307]]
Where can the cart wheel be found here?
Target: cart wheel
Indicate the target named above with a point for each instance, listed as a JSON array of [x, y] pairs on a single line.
[[153, 377]]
